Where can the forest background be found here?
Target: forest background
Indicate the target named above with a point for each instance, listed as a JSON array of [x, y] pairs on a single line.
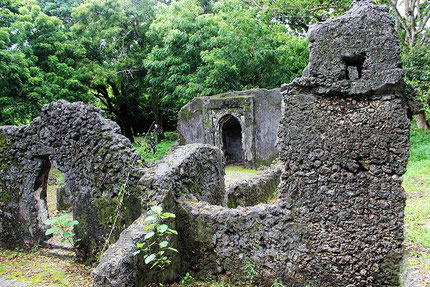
[[142, 60]]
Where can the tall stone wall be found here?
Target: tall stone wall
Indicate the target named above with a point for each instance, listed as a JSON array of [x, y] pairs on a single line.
[[95, 160], [344, 141]]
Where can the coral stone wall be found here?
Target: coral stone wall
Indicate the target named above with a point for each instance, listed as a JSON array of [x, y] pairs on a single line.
[[94, 158], [193, 171]]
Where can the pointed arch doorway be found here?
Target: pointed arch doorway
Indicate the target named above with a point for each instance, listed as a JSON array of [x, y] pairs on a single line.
[[231, 136]]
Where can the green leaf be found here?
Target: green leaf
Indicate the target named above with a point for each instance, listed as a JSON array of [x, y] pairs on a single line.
[[157, 209], [139, 245], [52, 230], [163, 244], [150, 258], [136, 252], [173, 231], [72, 223], [149, 235], [63, 217], [162, 228], [173, 249], [67, 234], [50, 221], [149, 226], [151, 218], [168, 215]]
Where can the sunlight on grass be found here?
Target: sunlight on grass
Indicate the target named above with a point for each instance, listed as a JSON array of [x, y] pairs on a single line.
[[237, 168], [142, 143], [36, 269], [417, 211]]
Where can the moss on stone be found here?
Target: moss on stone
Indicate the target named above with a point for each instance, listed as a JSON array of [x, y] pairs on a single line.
[[5, 197]]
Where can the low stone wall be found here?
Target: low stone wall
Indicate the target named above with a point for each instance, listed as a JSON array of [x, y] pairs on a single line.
[[259, 189], [192, 171]]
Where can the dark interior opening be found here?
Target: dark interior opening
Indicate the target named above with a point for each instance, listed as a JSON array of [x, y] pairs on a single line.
[[232, 140], [354, 66]]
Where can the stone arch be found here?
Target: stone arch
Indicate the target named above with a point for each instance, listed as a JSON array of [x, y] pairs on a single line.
[[231, 133], [95, 160]]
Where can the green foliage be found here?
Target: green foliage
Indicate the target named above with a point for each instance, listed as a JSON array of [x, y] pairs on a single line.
[[37, 62], [416, 65], [141, 145], [276, 283], [300, 14], [112, 35], [157, 246], [417, 186], [250, 272], [230, 48], [62, 225]]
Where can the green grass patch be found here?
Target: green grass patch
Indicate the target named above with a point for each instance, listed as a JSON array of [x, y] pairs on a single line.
[[237, 168], [417, 211], [38, 269], [141, 145]]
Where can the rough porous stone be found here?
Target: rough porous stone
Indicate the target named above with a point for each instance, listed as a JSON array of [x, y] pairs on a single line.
[[259, 189], [253, 116], [64, 201], [357, 53], [338, 220], [195, 170], [344, 146], [95, 160]]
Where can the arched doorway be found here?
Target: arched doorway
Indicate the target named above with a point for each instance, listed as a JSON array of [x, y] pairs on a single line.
[[231, 133]]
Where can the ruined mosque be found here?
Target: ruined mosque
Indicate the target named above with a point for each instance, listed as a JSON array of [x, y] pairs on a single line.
[[343, 144]]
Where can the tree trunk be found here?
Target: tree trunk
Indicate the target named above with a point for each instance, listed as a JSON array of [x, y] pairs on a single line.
[[421, 121], [158, 118]]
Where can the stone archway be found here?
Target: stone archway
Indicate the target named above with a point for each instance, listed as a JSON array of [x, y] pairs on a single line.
[[231, 138]]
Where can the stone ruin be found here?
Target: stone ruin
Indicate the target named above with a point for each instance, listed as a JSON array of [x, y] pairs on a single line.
[[244, 125], [338, 218]]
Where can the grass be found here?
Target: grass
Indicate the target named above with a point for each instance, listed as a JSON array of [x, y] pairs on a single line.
[[141, 144], [238, 168], [37, 269], [417, 186], [417, 211]]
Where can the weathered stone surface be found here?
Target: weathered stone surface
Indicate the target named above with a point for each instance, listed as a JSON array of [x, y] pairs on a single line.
[[344, 145], [194, 170], [64, 201], [95, 160], [207, 120], [357, 53], [259, 189]]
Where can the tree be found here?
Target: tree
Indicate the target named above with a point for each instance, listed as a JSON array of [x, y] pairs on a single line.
[[300, 14], [413, 21], [38, 63], [232, 47], [112, 33], [412, 25]]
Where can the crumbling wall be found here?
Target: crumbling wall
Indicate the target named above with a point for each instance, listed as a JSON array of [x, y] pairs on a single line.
[[94, 158], [344, 140], [261, 188], [193, 171]]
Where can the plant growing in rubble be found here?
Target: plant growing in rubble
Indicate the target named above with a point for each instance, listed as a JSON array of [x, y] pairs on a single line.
[[62, 225], [156, 246]]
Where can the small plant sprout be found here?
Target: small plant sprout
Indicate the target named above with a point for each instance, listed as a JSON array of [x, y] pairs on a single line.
[[63, 226], [156, 246]]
